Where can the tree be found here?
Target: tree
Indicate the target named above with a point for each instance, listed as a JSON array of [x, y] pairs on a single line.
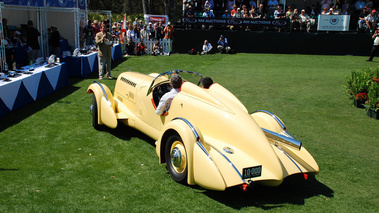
[[144, 7]]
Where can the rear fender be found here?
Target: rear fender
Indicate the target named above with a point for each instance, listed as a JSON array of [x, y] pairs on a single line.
[[201, 168], [268, 121], [105, 104], [274, 128]]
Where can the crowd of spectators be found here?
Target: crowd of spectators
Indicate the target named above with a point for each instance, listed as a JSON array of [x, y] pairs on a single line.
[[135, 34], [300, 18]]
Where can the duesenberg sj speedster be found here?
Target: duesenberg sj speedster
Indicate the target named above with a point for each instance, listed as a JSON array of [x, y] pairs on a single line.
[[207, 137]]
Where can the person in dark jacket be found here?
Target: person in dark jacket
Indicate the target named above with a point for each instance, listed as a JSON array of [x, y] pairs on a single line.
[[32, 42]]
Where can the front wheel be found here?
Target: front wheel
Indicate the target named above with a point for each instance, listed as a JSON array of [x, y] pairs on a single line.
[[176, 158], [94, 112]]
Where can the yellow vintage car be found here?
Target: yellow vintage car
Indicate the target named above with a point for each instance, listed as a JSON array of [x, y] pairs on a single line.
[[207, 137]]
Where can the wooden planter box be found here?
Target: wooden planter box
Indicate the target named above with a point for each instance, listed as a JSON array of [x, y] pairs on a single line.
[[359, 104], [371, 113]]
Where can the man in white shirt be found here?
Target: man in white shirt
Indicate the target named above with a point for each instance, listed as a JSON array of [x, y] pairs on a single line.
[[371, 20], [305, 21], [207, 47], [375, 47], [165, 102]]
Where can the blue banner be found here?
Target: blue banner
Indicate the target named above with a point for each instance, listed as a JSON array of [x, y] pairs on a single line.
[[32, 3], [61, 3]]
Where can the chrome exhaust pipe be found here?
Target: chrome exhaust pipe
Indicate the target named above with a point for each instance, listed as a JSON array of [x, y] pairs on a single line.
[[282, 139]]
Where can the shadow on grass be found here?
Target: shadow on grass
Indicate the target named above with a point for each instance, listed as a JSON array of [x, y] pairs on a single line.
[[294, 190], [18, 115], [118, 62], [124, 132]]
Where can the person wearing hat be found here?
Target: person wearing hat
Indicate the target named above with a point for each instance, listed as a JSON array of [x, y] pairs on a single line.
[[135, 23], [362, 16], [330, 11], [16, 39], [278, 13], [115, 32], [168, 31], [223, 45], [55, 41], [143, 33], [149, 30], [305, 21], [371, 20], [237, 14], [190, 12], [165, 102]]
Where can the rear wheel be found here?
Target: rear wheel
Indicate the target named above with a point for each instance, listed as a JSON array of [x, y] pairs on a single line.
[[94, 113], [176, 158]]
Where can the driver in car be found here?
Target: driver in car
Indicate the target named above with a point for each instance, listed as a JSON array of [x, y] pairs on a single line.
[[165, 102]]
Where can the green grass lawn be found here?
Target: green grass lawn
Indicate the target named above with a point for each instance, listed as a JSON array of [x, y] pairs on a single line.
[[52, 160]]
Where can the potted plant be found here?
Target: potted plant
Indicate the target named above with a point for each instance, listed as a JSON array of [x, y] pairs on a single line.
[[372, 103], [357, 85]]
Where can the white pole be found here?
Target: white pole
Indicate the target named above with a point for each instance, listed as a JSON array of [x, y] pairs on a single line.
[[2, 52]]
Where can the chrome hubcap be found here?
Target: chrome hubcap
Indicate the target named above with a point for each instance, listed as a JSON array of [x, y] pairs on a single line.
[[178, 157]]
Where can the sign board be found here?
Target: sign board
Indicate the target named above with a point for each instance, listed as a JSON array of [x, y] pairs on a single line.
[[333, 22], [156, 19], [236, 21]]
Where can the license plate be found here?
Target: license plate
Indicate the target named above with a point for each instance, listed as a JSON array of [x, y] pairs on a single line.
[[251, 172]]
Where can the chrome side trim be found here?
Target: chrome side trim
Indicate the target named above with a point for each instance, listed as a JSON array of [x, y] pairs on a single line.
[[190, 125], [289, 157], [283, 139], [196, 135], [230, 163], [102, 88], [204, 150]]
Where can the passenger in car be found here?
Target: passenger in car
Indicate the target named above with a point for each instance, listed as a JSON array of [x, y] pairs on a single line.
[[207, 82], [165, 102]]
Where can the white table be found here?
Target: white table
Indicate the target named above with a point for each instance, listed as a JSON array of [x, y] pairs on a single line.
[[26, 88]]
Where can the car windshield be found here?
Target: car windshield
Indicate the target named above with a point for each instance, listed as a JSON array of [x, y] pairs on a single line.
[[163, 78]]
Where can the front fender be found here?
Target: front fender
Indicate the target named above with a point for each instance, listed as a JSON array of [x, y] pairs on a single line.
[[105, 104]]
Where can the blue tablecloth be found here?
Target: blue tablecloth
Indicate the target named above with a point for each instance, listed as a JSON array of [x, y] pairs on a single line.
[[19, 54], [27, 88], [116, 52], [64, 46], [81, 66]]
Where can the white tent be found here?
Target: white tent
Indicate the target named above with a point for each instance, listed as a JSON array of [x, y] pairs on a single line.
[[68, 16]]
